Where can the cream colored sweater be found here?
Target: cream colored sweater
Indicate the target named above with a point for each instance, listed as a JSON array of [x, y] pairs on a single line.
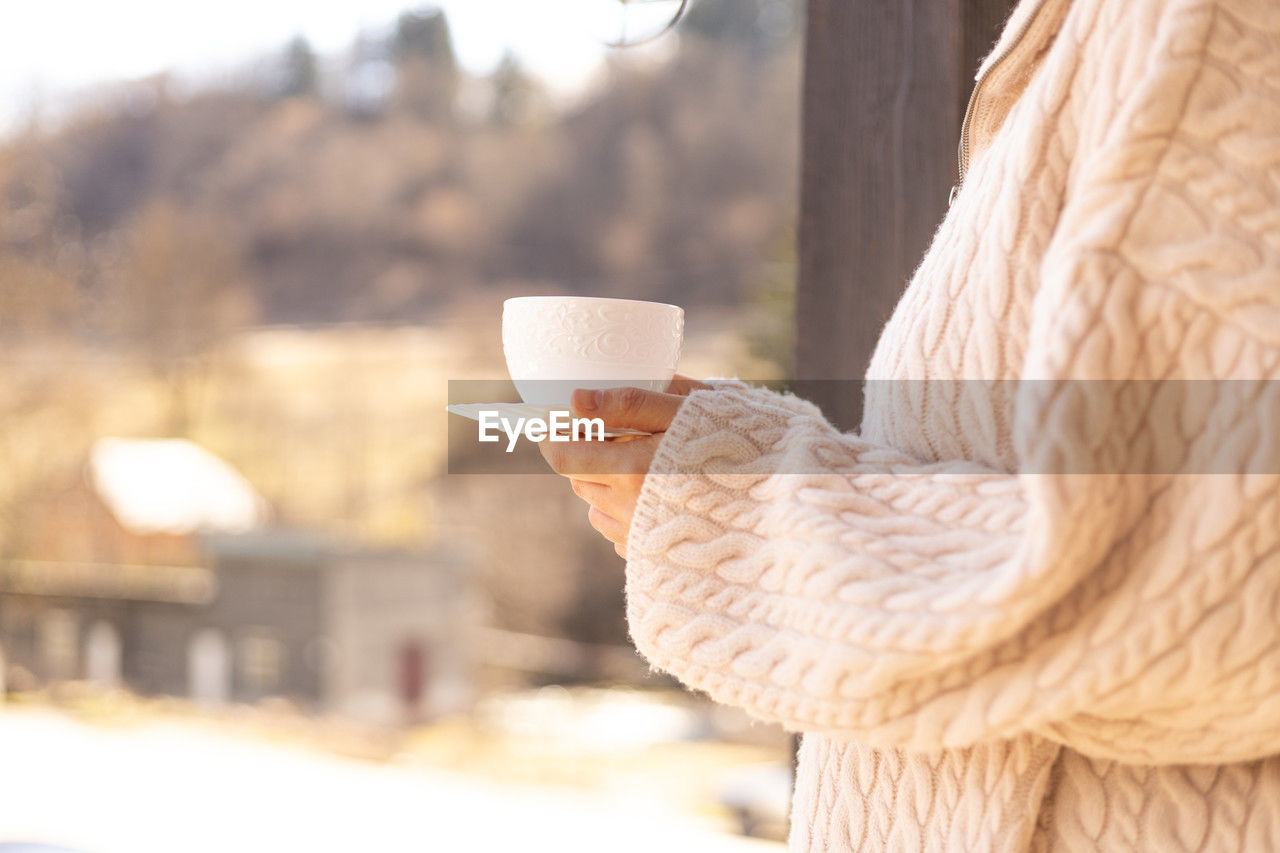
[[982, 658]]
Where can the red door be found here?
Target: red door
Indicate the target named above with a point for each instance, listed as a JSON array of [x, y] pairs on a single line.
[[413, 667]]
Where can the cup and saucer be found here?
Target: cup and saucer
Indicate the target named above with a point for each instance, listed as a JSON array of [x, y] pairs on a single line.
[[556, 344]]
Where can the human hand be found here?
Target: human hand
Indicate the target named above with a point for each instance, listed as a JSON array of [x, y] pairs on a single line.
[[686, 385], [609, 474]]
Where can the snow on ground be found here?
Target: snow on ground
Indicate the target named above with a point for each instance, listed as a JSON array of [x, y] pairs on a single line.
[[173, 787]]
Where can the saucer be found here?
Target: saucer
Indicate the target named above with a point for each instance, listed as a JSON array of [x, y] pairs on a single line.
[[513, 411]]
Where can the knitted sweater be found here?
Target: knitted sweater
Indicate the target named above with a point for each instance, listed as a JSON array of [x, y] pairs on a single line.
[[982, 658]]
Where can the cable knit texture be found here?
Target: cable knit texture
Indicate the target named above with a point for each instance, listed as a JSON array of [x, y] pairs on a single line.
[[982, 658]]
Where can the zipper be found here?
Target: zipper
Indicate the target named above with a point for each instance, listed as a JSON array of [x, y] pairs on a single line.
[[962, 154]]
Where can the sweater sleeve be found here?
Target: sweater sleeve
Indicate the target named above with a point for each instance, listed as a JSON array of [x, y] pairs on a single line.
[[831, 584]]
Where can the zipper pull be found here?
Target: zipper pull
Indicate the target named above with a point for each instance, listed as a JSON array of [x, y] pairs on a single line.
[[951, 197]]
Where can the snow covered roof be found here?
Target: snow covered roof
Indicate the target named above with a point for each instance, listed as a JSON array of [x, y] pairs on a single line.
[[172, 486]]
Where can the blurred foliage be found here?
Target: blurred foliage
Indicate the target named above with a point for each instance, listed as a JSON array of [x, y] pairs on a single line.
[[300, 76], [762, 25], [423, 34], [515, 96], [427, 72], [389, 188]]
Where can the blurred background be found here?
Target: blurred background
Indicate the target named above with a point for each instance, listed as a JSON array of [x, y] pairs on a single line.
[[244, 247]]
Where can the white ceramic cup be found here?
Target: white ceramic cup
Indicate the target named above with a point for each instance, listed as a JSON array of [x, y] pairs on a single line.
[[554, 344]]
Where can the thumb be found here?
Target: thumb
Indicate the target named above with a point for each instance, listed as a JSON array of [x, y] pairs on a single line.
[[632, 408]]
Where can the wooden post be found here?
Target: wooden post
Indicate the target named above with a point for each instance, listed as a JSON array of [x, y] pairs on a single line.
[[885, 88]]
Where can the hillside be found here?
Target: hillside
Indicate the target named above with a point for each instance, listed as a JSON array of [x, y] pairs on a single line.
[[286, 201]]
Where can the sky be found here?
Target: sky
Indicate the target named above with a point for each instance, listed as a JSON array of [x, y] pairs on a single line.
[[48, 50]]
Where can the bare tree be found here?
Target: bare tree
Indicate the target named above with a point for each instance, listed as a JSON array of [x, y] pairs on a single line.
[[177, 290], [38, 259]]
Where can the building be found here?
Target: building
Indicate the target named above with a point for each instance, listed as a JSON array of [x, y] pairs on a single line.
[[160, 571]]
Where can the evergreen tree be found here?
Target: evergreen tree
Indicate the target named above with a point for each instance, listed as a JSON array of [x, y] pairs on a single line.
[[514, 92], [761, 25], [298, 75], [423, 34], [426, 70]]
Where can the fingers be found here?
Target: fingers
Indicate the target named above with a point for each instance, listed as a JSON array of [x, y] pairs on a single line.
[[592, 493], [609, 514], [609, 500], [599, 461], [610, 528], [634, 408], [685, 385], [609, 475]]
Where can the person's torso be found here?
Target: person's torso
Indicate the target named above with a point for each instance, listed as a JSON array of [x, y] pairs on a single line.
[[940, 387]]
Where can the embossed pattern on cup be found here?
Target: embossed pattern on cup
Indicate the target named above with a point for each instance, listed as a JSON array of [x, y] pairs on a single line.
[[554, 344]]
